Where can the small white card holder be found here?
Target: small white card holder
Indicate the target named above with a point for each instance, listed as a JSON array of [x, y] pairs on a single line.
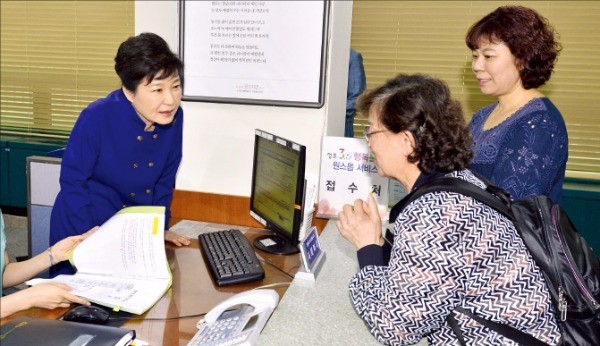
[[312, 256]]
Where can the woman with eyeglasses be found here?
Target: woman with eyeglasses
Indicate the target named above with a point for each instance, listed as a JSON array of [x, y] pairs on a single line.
[[124, 149], [449, 250]]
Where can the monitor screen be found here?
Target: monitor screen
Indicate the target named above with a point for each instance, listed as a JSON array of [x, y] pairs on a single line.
[[277, 195]]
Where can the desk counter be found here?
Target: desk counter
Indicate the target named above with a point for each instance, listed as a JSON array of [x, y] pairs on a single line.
[[321, 313], [172, 320], [318, 313]]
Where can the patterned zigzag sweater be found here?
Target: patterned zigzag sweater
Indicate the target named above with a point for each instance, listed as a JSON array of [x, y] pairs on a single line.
[[450, 250]]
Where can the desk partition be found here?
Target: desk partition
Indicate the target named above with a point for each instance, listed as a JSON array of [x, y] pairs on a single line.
[[42, 187]]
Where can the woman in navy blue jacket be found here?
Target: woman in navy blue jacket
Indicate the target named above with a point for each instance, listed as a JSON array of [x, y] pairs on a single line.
[[124, 149]]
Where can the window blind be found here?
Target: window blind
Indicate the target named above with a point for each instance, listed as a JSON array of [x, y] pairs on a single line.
[[57, 57], [428, 37]]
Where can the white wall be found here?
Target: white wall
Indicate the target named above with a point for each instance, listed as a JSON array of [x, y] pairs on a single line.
[[219, 138]]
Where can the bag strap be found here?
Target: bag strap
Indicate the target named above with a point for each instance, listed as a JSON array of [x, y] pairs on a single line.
[[451, 319], [499, 200], [492, 196], [504, 330]]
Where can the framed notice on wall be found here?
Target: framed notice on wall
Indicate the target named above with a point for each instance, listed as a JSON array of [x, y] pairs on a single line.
[[254, 52]]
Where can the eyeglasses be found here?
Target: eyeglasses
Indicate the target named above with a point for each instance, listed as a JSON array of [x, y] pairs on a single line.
[[368, 133]]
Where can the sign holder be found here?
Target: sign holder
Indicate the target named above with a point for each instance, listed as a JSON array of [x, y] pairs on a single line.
[[312, 257]]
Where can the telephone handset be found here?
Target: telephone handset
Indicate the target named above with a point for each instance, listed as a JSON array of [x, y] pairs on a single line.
[[237, 320]]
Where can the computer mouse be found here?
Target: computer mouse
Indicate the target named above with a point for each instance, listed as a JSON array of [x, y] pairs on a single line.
[[87, 314]]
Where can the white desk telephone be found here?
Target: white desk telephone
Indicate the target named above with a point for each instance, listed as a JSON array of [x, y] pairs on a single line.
[[237, 320]]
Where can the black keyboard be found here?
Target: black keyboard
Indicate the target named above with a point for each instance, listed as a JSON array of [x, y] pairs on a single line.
[[230, 257]]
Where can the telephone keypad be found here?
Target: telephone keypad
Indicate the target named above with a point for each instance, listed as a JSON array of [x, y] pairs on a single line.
[[226, 330]]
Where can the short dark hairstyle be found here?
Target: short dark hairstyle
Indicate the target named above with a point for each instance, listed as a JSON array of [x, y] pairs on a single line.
[[145, 55], [528, 35], [422, 105]]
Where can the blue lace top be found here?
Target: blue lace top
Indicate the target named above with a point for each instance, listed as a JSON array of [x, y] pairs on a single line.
[[527, 153]]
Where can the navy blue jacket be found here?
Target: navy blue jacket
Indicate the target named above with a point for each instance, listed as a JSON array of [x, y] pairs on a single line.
[[110, 162]]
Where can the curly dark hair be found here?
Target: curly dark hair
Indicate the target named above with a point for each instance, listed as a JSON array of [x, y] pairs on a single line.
[[528, 35], [145, 55], [422, 105]]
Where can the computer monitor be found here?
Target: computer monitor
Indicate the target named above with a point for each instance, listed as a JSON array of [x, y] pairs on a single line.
[[277, 195]]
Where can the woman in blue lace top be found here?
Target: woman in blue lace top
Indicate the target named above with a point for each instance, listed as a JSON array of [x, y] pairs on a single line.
[[520, 142]]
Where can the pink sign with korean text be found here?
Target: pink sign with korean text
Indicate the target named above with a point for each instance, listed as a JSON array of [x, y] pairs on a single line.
[[348, 173]]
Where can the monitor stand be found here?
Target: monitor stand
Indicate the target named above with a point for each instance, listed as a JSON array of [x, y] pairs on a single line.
[[275, 244]]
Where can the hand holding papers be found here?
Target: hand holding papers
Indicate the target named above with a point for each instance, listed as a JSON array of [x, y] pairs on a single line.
[[123, 265]]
